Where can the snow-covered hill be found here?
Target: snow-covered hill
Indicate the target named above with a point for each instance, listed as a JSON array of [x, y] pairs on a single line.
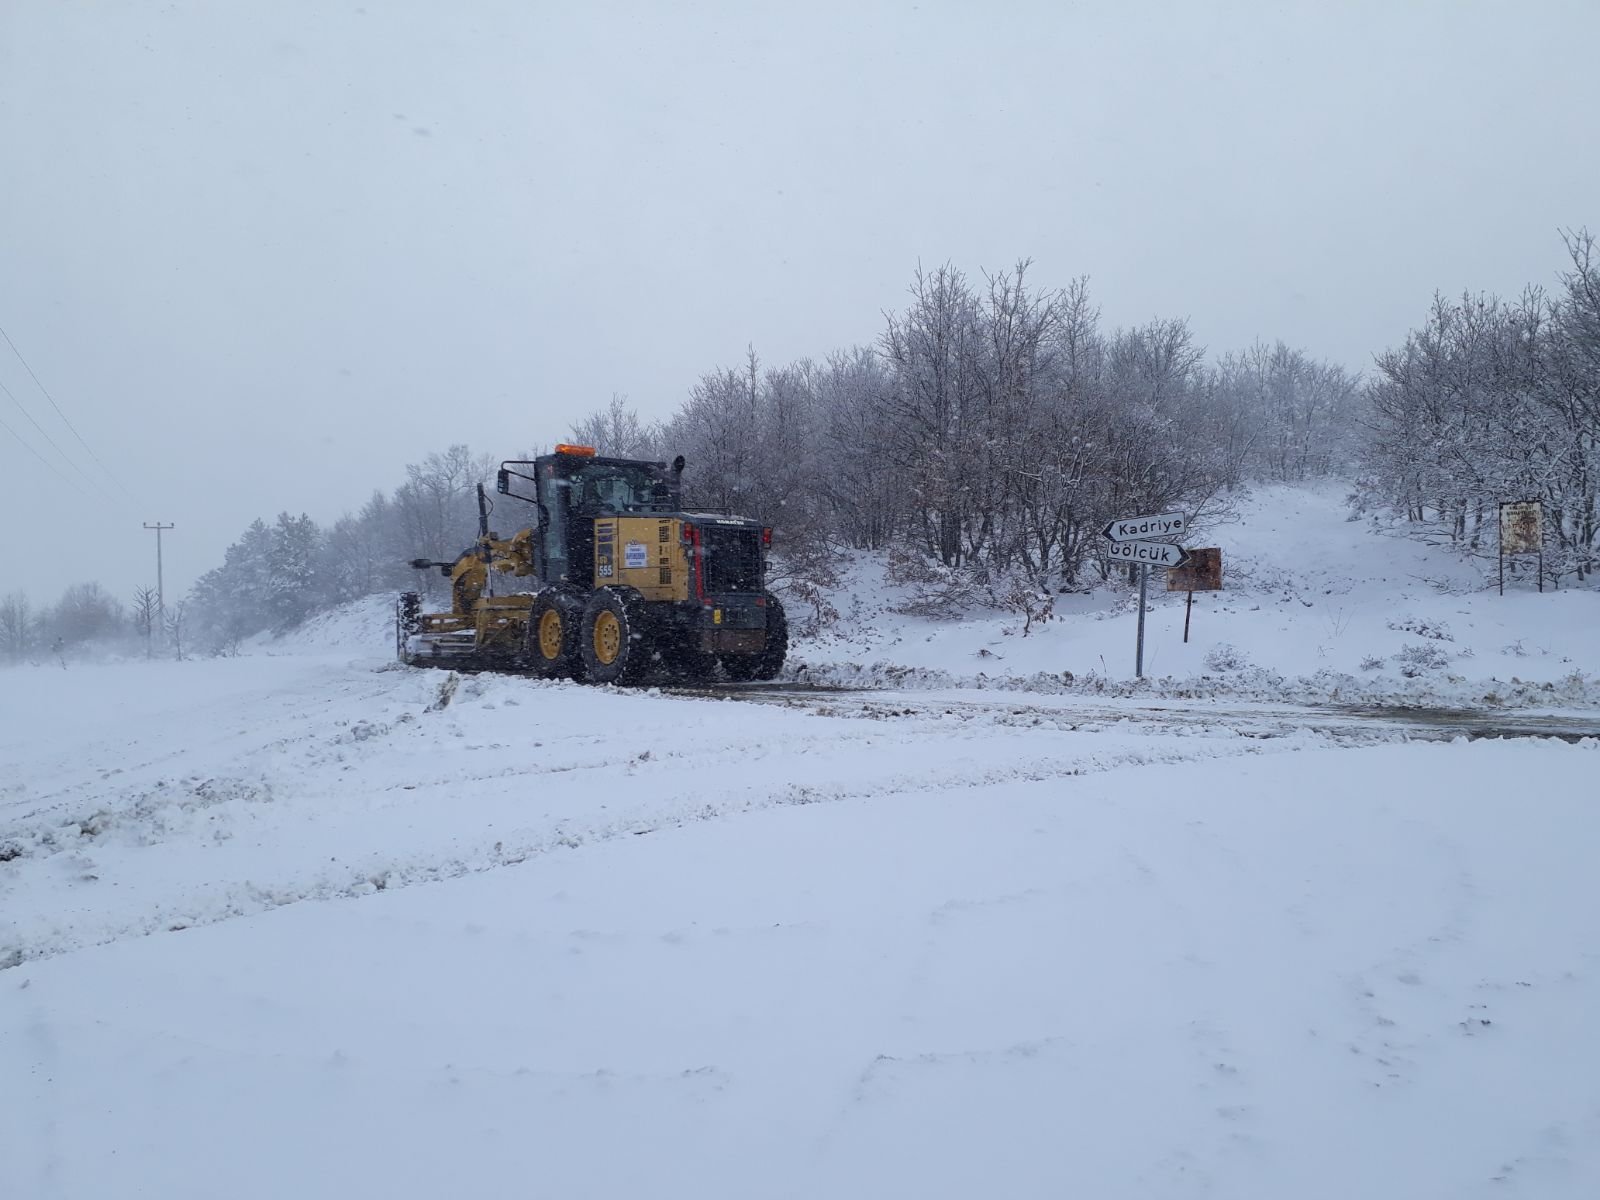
[[1316, 607]]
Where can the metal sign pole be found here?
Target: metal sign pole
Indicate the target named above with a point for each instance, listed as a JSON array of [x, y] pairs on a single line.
[[1138, 661], [1151, 541], [1188, 607]]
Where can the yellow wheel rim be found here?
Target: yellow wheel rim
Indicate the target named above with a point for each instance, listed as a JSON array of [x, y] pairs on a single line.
[[607, 637], [550, 634]]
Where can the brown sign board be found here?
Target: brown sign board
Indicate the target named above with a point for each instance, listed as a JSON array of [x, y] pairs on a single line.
[[1201, 573], [1521, 527]]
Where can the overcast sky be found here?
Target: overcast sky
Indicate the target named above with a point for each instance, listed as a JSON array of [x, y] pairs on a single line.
[[262, 254]]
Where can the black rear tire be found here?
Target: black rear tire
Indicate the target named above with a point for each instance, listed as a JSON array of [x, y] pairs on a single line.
[[743, 668], [550, 647], [686, 664], [615, 641]]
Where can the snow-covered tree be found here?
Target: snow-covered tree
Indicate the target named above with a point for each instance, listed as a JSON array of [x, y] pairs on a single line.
[[616, 431], [86, 612], [16, 626], [1492, 400], [293, 585], [146, 616]]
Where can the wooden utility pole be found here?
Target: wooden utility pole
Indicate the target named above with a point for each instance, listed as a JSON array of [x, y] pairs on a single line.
[[161, 595]]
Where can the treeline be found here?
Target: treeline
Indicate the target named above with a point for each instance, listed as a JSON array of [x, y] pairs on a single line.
[[984, 437], [276, 575], [1493, 400], [273, 577], [993, 428], [86, 614]]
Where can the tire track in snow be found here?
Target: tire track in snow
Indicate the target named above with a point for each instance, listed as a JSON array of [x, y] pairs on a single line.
[[72, 776], [488, 852]]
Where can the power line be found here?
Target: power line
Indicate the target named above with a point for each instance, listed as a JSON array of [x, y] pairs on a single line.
[[61, 414], [46, 435], [36, 454]]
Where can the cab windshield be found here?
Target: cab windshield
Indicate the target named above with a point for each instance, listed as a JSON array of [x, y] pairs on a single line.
[[606, 487]]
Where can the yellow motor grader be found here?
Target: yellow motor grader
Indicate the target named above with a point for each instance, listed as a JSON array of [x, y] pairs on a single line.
[[615, 582]]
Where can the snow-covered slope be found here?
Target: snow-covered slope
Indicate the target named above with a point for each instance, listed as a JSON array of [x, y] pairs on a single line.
[[363, 627], [1315, 607]]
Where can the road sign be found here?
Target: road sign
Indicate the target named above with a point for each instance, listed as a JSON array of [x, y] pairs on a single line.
[[1521, 532], [1521, 527], [1149, 554], [1166, 527], [1150, 542], [1202, 573]]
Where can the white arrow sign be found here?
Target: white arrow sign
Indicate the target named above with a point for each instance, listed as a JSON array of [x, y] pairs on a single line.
[[1151, 554], [1163, 528]]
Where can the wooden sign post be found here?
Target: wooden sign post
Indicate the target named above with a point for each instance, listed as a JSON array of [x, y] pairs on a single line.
[[1201, 573]]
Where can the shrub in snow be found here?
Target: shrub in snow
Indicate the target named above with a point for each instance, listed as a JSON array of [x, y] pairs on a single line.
[[1413, 661], [937, 591], [1030, 602], [811, 601], [1372, 663], [802, 576], [1226, 658], [1437, 630]]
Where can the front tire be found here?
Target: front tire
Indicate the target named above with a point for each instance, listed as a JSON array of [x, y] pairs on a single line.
[[743, 668], [615, 642]]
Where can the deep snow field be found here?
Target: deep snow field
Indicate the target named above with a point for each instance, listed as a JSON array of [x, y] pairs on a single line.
[[304, 923]]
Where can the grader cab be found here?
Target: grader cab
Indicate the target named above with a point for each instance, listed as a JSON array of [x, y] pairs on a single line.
[[612, 582]]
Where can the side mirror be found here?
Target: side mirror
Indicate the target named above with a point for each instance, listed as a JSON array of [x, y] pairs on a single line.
[[422, 564], [502, 482]]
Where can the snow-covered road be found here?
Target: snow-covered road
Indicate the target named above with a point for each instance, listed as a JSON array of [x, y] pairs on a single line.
[[1349, 724], [290, 778], [286, 926]]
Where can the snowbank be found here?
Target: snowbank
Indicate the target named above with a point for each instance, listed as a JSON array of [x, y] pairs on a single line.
[[364, 626]]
